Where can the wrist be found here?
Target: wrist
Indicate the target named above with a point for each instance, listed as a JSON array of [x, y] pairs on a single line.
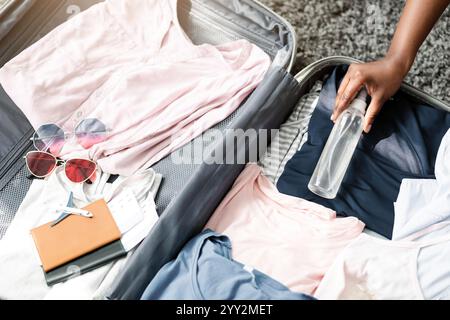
[[401, 62]]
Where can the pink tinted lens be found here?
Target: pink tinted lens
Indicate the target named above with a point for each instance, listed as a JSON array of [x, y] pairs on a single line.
[[80, 170], [90, 132], [57, 147], [40, 164], [87, 140]]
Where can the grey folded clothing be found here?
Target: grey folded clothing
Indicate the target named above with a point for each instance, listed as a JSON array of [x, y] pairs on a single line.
[[291, 136]]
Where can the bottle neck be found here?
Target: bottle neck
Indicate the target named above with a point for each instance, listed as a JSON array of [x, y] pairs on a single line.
[[358, 106]]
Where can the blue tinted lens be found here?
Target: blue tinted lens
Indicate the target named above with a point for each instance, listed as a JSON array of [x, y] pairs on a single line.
[[50, 138]]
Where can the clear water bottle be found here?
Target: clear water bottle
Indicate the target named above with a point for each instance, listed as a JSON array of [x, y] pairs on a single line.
[[339, 149]]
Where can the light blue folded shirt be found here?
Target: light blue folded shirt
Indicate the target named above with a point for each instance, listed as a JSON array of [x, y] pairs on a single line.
[[204, 270]]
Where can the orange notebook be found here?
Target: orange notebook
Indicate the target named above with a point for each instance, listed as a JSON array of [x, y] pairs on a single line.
[[75, 236]]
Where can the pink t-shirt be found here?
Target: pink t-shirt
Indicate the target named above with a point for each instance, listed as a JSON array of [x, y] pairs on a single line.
[[129, 64], [292, 240]]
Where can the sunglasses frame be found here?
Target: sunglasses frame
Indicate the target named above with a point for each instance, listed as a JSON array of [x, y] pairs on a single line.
[[58, 162], [68, 135]]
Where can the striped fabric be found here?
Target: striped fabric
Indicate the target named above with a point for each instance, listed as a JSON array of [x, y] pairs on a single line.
[[291, 136]]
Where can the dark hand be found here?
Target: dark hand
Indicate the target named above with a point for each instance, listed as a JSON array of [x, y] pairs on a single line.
[[381, 79]]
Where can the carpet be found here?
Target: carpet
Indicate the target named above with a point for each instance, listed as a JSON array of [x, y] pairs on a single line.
[[363, 29]]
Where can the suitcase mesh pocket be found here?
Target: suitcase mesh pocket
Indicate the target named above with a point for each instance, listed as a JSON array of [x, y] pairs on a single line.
[[11, 196]]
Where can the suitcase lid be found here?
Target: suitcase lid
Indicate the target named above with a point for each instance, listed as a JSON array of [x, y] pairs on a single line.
[[211, 21]]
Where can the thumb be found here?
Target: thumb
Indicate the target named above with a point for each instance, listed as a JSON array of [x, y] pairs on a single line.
[[371, 113]]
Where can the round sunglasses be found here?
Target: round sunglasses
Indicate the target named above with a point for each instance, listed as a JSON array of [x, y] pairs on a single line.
[[42, 164], [51, 138]]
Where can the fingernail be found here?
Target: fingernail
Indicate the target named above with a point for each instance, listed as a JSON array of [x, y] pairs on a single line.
[[369, 127], [332, 117]]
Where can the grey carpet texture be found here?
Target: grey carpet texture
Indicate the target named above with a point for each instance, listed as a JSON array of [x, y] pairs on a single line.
[[363, 30]]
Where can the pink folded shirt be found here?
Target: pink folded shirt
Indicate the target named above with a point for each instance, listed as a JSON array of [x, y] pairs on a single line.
[[292, 240], [129, 64]]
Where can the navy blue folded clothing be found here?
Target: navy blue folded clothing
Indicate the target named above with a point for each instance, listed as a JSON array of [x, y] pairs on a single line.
[[403, 143], [204, 270]]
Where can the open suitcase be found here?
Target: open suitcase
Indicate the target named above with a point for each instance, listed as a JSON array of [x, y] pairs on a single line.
[[190, 192]]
